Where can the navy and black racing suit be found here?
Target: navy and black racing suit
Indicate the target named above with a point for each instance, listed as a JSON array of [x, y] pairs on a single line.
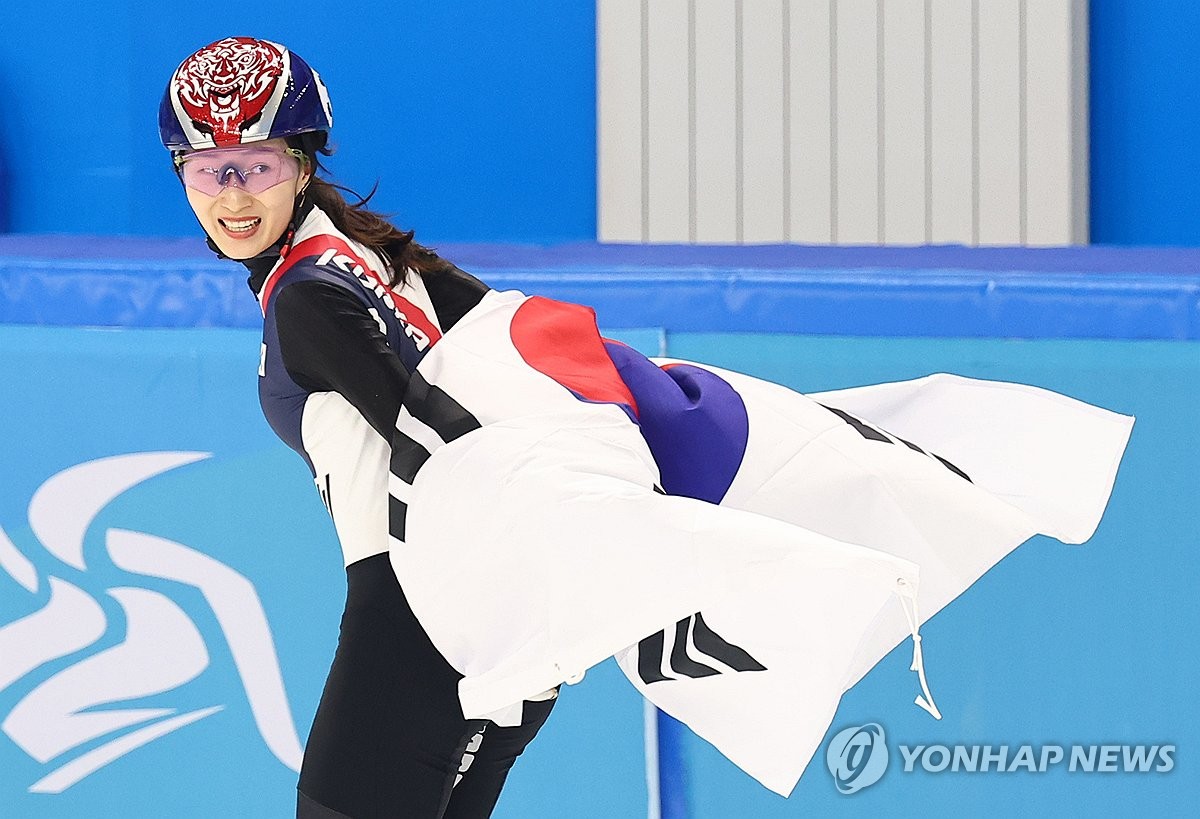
[[389, 737]]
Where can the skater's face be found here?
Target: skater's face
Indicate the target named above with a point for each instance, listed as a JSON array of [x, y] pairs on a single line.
[[244, 196]]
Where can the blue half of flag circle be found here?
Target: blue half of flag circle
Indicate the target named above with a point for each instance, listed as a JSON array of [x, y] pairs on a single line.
[[694, 422]]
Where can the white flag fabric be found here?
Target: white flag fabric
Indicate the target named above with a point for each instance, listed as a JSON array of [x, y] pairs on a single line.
[[1038, 462], [745, 551]]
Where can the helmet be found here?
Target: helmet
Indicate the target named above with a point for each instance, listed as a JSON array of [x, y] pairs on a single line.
[[240, 90]]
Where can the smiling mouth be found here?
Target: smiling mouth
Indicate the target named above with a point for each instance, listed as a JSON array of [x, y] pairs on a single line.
[[236, 227]]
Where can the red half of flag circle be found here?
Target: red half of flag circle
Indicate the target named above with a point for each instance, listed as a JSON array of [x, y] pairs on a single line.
[[561, 340]]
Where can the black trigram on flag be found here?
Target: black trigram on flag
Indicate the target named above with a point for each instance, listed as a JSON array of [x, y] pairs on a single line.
[[707, 645], [871, 434]]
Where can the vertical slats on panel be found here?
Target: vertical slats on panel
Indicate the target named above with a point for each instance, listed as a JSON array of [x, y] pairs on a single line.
[[951, 134], [667, 157], [845, 121], [904, 142], [619, 115], [1053, 32], [715, 121], [1081, 188], [763, 150], [999, 122], [856, 43], [810, 121]]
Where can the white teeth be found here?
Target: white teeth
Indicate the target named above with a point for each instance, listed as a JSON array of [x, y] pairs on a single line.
[[241, 225]]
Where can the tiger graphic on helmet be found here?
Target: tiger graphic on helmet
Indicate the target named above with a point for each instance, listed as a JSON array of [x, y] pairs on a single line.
[[224, 87]]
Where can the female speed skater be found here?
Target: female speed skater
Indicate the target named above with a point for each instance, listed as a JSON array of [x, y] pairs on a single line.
[[518, 499]]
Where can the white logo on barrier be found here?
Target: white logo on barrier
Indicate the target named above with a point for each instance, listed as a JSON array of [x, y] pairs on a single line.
[[162, 649]]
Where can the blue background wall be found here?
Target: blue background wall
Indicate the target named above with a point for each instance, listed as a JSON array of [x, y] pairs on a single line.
[[1145, 109], [478, 116]]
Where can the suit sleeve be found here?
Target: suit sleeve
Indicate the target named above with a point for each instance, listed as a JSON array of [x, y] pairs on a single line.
[[329, 342]]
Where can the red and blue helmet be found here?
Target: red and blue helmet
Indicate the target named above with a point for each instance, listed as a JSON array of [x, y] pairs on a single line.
[[241, 90]]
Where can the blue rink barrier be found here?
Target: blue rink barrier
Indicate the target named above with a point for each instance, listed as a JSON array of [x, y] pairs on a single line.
[[1056, 646], [1076, 292]]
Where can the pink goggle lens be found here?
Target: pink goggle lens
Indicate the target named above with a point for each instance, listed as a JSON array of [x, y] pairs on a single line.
[[254, 170]]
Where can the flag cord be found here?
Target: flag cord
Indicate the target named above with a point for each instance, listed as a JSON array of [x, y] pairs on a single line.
[[908, 602]]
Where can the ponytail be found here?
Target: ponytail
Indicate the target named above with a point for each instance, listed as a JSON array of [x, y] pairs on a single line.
[[362, 224]]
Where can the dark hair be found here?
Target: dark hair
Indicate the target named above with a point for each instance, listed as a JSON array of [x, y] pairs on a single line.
[[359, 222]]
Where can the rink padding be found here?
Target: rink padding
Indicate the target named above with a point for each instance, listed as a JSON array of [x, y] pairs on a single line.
[[950, 291]]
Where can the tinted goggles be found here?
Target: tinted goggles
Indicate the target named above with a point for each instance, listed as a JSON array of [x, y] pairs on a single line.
[[252, 169]]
